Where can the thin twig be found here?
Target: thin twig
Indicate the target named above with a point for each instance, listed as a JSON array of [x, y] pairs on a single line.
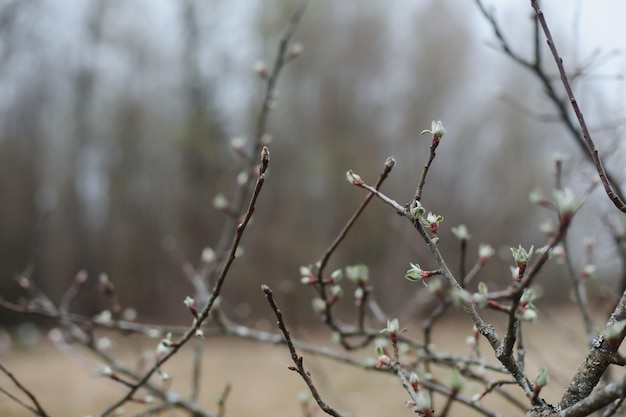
[[72, 291], [321, 283], [175, 347], [593, 151], [19, 401], [529, 276], [428, 324], [243, 191], [462, 261], [431, 157], [76, 326], [38, 410], [196, 369], [485, 329], [297, 359], [333, 246], [221, 401], [580, 292], [551, 93]]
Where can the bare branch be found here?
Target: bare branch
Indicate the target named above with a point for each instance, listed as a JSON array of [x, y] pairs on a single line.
[[38, 409], [596, 401], [608, 188], [344, 232], [214, 294], [597, 361], [297, 359]]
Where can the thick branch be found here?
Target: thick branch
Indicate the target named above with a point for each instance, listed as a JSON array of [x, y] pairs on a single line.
[[597, 361], [596, 401]]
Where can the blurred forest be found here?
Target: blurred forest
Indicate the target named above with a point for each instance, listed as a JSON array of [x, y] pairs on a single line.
[[116, 121]]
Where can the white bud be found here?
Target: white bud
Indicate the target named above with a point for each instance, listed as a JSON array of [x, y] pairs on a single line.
[[261, 69], [105, 317], [104, 343], [189, 302], [208, 255], [220, 202], [337, 275], [129, 314], [461, 232], [105, 371], [353, 178], [242, 178], [295, 50], [319, 305]]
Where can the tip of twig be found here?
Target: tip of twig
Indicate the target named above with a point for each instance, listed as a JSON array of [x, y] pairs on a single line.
[[265, 160], [266, 289]]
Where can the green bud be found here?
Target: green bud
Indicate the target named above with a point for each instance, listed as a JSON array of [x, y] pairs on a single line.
[[319, 305], [417, 210], [393, 326], [521, 255], [357, 273], [529, 295], [436, 129], [566, 202], [337, 275], [455, 380], [416, 273], [353, 178], [459, 296], [542, 378], [336, 291], [423, 401]]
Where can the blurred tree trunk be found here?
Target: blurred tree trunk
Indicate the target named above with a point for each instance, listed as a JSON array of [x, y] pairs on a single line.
[[71, 217], [200, 163]]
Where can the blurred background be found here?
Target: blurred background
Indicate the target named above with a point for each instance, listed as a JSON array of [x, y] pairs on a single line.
[[116, 121]]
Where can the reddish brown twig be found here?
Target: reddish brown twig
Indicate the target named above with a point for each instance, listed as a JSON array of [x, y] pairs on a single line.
[[608, 188], [297, 359]]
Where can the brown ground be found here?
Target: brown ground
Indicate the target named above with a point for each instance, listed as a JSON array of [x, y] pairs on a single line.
[[263, 386]]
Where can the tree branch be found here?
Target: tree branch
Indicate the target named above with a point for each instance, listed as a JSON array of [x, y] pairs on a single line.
[[608, 188], [297, 359], [597, 361], [38, 409]]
